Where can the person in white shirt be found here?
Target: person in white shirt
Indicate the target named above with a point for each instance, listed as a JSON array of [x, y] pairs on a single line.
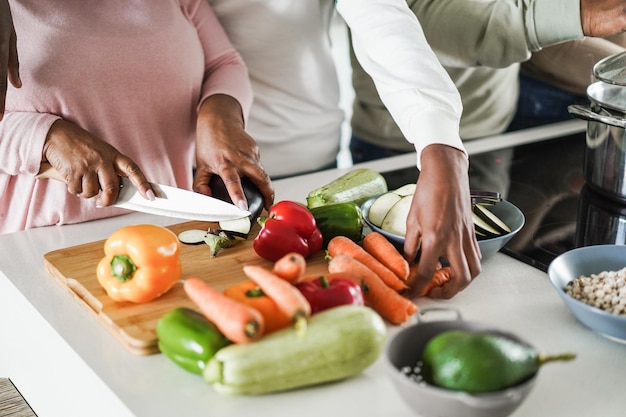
[[296, 119]]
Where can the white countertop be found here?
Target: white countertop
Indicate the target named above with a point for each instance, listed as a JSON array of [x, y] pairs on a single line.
[[65, 363]]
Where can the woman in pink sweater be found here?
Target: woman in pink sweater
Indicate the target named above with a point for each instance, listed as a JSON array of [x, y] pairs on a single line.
[[148, 89]]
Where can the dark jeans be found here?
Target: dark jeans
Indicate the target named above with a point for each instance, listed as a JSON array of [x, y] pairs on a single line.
[[329, 166], [362, 151], [540, 103], [488, 171]]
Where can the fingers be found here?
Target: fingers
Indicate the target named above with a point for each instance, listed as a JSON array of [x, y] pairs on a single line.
[[109, 189], [232, 181], [126, 167], [105, 182], [201, 181], [264, 183], [464, 261], [231, 176]]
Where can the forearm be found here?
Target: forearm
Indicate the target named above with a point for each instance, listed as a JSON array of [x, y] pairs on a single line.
[[220, 110], [495, 33], [570, 65]]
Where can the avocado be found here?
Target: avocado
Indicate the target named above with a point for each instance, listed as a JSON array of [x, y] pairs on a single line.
[[478, 362]]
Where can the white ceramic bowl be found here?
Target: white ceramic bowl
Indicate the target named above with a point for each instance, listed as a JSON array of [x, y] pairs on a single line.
[[586, 261], [511, 215], [405, 349]]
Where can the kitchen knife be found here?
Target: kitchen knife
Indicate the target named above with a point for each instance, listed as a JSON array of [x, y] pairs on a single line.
[[170, 201]]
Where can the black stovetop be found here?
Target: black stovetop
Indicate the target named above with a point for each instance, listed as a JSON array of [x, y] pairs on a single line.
[[547, 184]]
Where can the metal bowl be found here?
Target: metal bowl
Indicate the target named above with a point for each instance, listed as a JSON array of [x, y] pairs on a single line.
[[511, 215], [405, 349], [586, 261]]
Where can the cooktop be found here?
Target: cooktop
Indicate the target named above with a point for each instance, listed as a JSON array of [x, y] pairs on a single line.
[[545, 180]]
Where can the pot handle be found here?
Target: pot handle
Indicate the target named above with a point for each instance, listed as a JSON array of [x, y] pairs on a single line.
[[585, 113]]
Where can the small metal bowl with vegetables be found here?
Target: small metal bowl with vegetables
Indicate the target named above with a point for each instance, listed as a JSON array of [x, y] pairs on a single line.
[[453, 367], [496, 220], [591, 281]]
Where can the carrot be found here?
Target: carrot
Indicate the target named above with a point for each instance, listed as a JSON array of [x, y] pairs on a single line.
[[238, 322], [380, 248], [290, 267], [412, 274], [286, 296], [249, 293], [439, 278], [384, 300], [342, 244]]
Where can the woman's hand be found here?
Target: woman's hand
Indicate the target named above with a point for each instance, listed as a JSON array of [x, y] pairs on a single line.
[[225, 149], [89, 165], [440, 221]]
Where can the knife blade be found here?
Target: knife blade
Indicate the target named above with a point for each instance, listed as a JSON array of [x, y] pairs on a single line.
[[170, 201]]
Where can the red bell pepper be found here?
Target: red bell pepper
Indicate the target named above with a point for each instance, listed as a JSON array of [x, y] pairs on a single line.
[[331, 290], [289, 227]]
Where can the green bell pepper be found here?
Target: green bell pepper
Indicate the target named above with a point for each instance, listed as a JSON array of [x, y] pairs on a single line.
[[188, 338], [339, 219]]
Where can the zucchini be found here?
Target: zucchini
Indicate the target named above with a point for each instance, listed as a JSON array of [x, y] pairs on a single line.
[[339, 219], [355, 186], [339, 342]]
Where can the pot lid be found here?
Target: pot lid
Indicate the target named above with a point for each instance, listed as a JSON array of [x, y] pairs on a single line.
[[609, 96], [611, 69]]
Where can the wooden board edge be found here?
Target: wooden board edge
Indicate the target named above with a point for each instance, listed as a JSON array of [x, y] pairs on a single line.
[[84, 297]]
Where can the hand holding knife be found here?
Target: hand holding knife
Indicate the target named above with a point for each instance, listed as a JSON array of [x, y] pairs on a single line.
[[169, 201]]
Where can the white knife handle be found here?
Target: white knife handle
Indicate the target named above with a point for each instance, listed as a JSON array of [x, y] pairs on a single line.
[[48, 171]]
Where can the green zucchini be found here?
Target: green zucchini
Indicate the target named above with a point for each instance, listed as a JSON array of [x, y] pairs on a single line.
[[355, 186], [339, 219], [338, 343]]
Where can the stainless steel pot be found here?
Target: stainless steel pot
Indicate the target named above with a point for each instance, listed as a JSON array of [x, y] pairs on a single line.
[[605, 153]]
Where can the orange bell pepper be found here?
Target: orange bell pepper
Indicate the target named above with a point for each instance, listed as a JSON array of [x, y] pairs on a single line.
[[249, 293], [141, 263]]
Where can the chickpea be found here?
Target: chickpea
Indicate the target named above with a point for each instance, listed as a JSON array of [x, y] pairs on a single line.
[[605, 290]]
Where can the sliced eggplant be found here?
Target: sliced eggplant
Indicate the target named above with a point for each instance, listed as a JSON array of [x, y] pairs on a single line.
[[483, 228], [231, 234], [240, 226], [407, 189], [488, 217], [381, 206], [479, 234], [395, 220], [192, 236], [485, 197]]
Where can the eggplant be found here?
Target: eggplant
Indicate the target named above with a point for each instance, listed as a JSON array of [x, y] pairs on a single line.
[[486, 224], [252, 192], [486, 215]]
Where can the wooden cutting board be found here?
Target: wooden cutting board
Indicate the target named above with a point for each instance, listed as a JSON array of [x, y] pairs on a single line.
[[134, 324]]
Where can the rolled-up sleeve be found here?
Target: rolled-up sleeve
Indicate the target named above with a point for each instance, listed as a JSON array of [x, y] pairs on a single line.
[[389, 43], [22, 137]]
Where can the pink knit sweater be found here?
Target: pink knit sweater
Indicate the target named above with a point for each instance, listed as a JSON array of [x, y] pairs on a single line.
[[131, 72]]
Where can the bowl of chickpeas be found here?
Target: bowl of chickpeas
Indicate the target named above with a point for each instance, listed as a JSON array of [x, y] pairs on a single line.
[[591, 281]]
